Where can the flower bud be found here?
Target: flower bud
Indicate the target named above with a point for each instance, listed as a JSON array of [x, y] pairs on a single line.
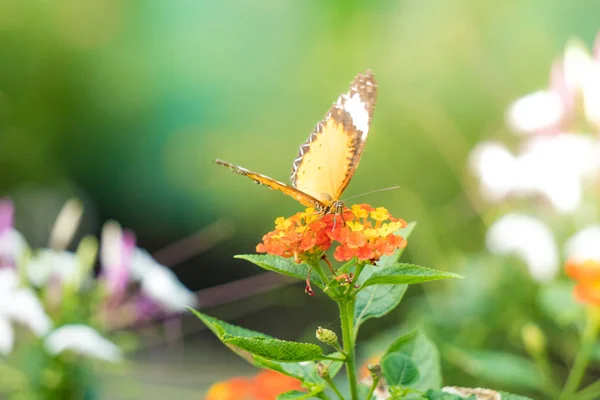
[[533, 339], [375, 370], [327, 336]]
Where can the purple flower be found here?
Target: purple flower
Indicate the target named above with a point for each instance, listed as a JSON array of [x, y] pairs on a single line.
[[124, 263], [115, 256]]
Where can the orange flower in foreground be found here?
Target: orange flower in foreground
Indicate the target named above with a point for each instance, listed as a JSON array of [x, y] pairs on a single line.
[[587, 275], [232, 389], [268, 384], [264, 386], [361, 231]]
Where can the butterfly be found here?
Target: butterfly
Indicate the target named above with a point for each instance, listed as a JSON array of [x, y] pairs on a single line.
[[327, 161]]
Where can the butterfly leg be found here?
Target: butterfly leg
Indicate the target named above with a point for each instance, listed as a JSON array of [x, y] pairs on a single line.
[[335, 220]]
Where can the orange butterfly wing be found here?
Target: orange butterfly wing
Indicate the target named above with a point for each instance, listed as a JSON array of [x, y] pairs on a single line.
[[327, 161], [299, 196]]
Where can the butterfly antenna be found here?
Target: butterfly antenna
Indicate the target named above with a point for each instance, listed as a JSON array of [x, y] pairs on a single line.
[[372, 191]]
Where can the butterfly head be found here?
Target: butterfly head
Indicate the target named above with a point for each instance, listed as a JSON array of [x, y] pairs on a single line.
[[336, 207]]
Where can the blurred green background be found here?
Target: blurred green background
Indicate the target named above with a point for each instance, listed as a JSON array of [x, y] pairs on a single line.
[[126, 104]]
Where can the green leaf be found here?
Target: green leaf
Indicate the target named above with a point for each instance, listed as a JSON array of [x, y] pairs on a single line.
[[401, 368], [296, 395], [304, 371], [375, 301], [275, 349], [557, 301], [499, 368], [285, 266], [439, 395], [406, 274], [412, 361], [259, 344]]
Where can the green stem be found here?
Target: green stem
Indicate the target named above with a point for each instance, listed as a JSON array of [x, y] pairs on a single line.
[[317, 267], [373, 387], [334, 358], [346, 306], [323, 396], [333, 386], [544, 366], [359, 269], [583, 356], [589, 393]]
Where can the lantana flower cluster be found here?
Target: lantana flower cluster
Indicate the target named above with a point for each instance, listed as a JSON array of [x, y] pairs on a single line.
[[361, 231]]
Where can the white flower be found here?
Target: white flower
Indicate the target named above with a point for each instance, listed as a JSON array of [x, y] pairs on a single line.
[[557, 167], [7, 336], [12, 245], [19, 305], [582, 77], [12, 242], [47, 263], [529, 239], [577, 65], [160, 283], [496, 168], [535, 112], [554, 167], [584, 245], [84, 340]]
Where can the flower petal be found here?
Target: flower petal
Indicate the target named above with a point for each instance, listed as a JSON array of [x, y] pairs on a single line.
[[496, 168], [83, 340], [528, 238], [7, 212], [12, 247], [47, 263], [535, 112], [7, 336], [162, 285], [584, 245], [26, 308]]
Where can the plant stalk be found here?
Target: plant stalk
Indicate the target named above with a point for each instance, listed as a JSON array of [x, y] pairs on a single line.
[[373, 387], [545, 368], [589, 393], [333, 386], [583, 356], [346, 306], [317, 267]]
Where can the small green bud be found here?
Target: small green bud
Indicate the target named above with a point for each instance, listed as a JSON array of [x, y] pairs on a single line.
[[326, 336], [534, 339], [322, 370], [375, 370]]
